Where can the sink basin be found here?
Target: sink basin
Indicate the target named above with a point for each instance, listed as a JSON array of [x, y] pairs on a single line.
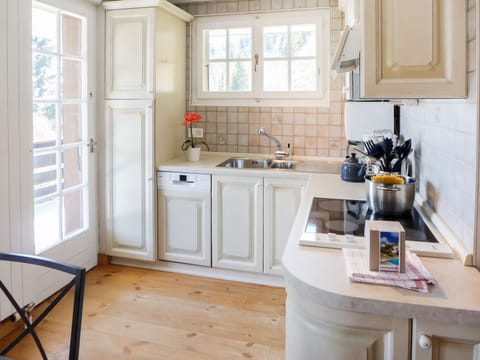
[[280, 164], [257, 163], [243, 163]]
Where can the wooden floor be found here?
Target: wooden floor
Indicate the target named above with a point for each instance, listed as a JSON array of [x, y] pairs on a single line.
[[132, 313]]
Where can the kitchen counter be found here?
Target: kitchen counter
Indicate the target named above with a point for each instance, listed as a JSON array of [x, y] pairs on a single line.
[[319, 274], [209, 160]]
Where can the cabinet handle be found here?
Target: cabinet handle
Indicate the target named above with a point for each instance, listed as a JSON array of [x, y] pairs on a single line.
[[425, 341]]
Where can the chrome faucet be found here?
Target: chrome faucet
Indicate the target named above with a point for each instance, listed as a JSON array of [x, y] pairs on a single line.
[[279, 153]]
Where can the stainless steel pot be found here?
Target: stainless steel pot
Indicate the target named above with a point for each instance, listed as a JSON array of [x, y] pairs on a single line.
[[390, 200]]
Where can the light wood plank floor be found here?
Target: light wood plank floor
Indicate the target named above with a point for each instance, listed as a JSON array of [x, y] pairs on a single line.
[[132, 313]]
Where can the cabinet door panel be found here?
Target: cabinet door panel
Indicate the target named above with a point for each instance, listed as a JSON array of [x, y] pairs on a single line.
[[237, 237], [129, 46], [281, 200], [425, 59], [184, 227], [129, 181], [448, 341]]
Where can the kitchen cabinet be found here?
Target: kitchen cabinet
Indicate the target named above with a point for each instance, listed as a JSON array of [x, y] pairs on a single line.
[[129, 179], [413, 49], [184, 218], [440, 341], [282, 198], [129, 50], [237, 223], [317, 332], [251, 221], [145, 56]]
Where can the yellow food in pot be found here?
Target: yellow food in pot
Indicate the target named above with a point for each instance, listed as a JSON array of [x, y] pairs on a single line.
[[388, 179]]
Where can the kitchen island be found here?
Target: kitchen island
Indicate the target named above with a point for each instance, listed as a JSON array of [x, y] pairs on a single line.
[[330, 317]]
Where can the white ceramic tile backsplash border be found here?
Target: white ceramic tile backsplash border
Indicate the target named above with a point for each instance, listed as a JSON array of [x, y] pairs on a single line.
[[310, 131], [444, 136]]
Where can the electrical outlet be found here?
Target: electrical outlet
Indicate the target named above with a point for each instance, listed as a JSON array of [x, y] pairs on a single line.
[[197, 132]]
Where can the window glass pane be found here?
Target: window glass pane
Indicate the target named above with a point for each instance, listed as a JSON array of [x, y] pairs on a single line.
[[44, 76], [303, 75], [217, 44], [72, 79], [44, 30], [73, 219], [240, 42], [275, 41], [72, 35], [72, 123], [217, 76], [44, 125], [72, 167], [303, 40], [240, 76], [275, 75], [46, 224], [45, 174]]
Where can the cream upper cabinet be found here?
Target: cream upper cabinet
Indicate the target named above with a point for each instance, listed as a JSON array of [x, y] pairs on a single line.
[[413, 49], [281, 200], [129, 53], [130, 205], [237, 223], [442, 341]]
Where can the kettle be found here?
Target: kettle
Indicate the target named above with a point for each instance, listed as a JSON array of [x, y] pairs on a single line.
[[353, 170]]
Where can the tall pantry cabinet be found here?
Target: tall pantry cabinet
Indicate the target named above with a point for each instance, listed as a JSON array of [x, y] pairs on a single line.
[[145, 46]]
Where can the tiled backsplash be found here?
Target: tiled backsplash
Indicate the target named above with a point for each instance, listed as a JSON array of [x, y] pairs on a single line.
[[310, 131], [444, 134]]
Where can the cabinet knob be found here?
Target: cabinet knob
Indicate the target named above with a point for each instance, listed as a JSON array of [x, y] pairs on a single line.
[[425, 341]]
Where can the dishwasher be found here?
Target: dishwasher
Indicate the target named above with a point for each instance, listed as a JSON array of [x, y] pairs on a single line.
[[184, 217]]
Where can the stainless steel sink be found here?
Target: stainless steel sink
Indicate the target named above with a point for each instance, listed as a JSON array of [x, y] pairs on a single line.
[[244, 163], [281, 164], [257, 163]]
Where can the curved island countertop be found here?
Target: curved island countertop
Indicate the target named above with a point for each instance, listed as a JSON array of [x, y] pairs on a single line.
[[319, 274]]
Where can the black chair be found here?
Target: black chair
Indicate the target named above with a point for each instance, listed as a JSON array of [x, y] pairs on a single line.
[[78, 281]]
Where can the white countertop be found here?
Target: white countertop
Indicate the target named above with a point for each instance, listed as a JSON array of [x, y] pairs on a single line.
[[209, 160], [320, 273]]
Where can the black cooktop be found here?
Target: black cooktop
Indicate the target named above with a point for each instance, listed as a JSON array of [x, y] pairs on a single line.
[[348, 217]]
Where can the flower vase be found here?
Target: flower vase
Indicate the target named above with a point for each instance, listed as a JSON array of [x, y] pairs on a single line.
[[193, 154]]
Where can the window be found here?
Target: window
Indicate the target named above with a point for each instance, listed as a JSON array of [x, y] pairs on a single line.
[[261, 59], [59, 124]]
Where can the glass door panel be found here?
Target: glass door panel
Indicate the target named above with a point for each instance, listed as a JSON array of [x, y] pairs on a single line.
[[60, 125]]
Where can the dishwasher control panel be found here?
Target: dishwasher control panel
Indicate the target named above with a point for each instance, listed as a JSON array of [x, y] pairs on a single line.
[[184, 181]]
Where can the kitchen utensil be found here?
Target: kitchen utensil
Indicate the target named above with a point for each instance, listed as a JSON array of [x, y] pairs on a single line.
[[390, 199], [401, 152], [353, 170]]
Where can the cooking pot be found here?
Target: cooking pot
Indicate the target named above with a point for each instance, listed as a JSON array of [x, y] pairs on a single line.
[[353, 170], [390, 199]]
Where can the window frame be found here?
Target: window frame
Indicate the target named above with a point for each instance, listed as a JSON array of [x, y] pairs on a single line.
[[257, 97]]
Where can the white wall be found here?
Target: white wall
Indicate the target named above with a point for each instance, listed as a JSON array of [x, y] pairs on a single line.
[[444, 136]]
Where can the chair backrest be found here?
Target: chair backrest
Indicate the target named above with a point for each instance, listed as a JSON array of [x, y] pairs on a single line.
[[78, 281]]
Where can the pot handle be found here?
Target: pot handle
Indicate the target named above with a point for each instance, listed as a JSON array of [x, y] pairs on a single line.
[[387, 188]]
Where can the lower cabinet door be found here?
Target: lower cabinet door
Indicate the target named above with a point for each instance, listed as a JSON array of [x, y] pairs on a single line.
[[129, 184], [184, 227], [281, 200], [444, 341], [237, 223]]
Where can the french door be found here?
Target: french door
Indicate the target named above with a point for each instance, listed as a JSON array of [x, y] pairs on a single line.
[[63, 114]]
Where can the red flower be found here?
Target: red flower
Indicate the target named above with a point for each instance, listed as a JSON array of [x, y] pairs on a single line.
[[191, 117]]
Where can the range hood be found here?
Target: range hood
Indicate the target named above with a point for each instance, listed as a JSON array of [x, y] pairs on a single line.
[[347, 56]]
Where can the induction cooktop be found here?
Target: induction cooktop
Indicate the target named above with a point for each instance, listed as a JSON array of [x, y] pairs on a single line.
[[339, 223], [347, 217]]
